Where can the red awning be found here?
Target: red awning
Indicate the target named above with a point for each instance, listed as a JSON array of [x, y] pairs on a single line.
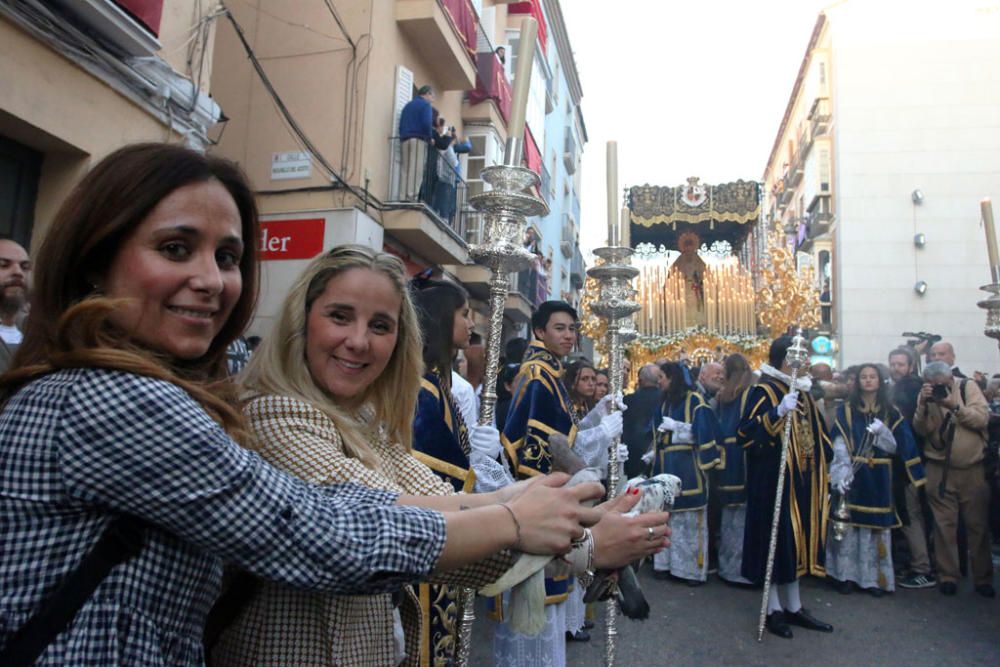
[[535, 9], [532, 156], [465, 20]]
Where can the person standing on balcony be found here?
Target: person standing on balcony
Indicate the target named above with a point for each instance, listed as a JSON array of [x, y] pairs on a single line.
[[449, 173], [415, 133]]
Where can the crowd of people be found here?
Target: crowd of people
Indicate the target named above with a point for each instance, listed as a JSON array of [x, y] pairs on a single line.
[[897, 448], [172, 490], [319, 508]]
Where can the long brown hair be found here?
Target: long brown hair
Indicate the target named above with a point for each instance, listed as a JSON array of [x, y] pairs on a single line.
[[739, 376], [69, 324]]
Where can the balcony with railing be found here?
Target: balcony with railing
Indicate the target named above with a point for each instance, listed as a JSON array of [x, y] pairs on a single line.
[[427, 202], [567, 241], [545, 188], [577, 269], [819, 116], [444, 33], [489, 101], [569, 152]]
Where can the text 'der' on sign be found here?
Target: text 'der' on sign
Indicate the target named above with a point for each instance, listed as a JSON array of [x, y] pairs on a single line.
[[291, 239]]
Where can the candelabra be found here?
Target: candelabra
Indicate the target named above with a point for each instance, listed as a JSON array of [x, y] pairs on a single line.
[[614, 304], [992, 306], [504, 208]]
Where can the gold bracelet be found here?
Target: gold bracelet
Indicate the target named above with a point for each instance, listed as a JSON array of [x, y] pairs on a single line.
[[517, 525]]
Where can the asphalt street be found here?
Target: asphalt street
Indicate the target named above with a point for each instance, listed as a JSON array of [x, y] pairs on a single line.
[[716, 624]]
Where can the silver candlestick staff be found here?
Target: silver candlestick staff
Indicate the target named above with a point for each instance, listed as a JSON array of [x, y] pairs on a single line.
[[614, 303], [505, 208], [992, 303]]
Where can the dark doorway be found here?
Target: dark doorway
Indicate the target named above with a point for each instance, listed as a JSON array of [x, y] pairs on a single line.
[[19, 170]]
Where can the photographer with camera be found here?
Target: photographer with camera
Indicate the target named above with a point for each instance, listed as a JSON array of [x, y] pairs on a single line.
[[952, 415]]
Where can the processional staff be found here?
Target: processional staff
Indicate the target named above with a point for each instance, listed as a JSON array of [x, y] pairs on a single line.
[[796, 356], [614, 304], [504, 209]]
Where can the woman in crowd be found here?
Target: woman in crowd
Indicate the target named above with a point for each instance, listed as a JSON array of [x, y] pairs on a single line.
[[345, 414], [602, 384], [462, 455], [579, 381], [685, 447], [869, 432], [122, 485], [730, 404]]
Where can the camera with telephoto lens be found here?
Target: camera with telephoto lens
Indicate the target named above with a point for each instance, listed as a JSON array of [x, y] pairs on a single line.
[[938, 392], [917, 337]]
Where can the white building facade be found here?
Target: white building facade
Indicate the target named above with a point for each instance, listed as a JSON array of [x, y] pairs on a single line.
[[909, 143]]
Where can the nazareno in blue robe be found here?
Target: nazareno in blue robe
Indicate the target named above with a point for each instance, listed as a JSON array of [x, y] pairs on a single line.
[[731, 472], [540, 407], [805, 508], [440, 437], [869, 499], [688, 461]]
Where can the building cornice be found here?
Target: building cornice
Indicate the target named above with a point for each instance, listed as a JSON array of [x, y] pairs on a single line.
[[803, 68], [557, 28]]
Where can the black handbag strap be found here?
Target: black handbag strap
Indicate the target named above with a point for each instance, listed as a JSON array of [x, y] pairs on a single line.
[[120, 542]]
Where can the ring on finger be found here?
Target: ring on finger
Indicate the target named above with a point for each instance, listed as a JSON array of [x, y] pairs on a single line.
[[650, 535]]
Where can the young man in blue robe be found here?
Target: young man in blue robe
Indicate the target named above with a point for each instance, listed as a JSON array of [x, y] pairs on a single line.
[[540, 407], [805, 507]]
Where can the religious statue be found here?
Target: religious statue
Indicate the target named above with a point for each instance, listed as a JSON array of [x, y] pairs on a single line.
[[692, 268]]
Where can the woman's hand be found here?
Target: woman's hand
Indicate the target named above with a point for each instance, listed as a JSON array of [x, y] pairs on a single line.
[[620, 540], [509, 493], [550, 515]]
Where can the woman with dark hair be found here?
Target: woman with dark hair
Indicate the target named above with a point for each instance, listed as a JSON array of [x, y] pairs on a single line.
[[685, 447], [602, 383], [123, 486], [441, 438], [579, 380], [730, 403], [868, 434]]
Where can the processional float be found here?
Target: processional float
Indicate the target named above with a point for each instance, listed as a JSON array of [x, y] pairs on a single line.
[[731, 286]]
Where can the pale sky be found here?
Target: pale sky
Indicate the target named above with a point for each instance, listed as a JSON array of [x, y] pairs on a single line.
[[685, 88]]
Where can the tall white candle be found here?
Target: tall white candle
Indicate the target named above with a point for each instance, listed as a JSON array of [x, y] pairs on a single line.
[[626, 232], [613, 231], [522, 80]]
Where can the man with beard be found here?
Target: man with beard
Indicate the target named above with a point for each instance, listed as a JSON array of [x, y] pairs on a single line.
[[15, 277]]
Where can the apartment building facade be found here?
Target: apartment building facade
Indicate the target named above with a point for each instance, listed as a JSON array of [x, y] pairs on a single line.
[[83, 78], [887, 144], [313, 93]]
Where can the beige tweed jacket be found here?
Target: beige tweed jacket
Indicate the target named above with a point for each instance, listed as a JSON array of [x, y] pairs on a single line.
[[284, 626]]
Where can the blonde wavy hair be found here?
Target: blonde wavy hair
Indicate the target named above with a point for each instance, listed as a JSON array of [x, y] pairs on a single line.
[[279, 366]]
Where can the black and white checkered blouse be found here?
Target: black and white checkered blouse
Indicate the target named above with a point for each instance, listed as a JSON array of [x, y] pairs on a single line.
[[78, 446]]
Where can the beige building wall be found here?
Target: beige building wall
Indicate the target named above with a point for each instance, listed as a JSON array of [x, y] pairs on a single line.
[[54, 106], [306, 58]]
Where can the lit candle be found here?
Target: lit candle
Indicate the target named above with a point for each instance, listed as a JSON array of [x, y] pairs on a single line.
[[614, 236], [991, 239], [519, 101]]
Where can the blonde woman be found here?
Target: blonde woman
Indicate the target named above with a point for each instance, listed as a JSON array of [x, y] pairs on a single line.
[[331, 398]]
